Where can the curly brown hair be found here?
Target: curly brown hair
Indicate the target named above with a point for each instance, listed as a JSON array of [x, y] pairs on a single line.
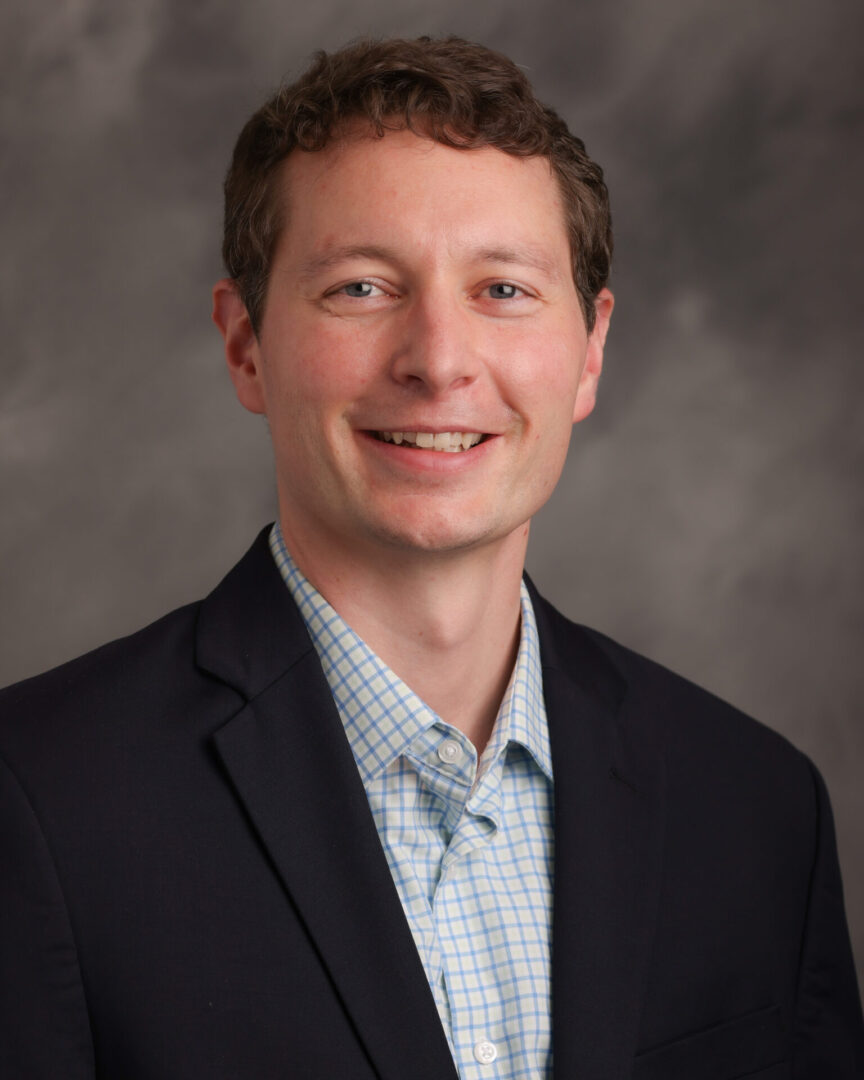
[[456, 92]]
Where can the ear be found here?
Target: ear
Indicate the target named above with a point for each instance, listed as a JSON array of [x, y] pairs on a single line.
[[586, 395], [242, 351]]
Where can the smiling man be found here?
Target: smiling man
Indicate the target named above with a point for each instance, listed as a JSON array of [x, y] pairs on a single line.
[[373, 808]]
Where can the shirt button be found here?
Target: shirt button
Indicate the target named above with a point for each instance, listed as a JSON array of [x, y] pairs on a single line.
[[450, 752], [485, 1052]]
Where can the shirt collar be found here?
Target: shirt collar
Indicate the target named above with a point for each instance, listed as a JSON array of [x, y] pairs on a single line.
[[381, 715]]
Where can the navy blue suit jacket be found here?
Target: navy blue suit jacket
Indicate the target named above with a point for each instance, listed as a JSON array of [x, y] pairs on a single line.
[[192, 886]]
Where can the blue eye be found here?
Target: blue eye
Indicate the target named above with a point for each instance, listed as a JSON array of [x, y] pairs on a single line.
[[358, 289], [503, 290]]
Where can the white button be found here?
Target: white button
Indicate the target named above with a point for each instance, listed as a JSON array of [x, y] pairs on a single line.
[[485, 1052], [450, 752]]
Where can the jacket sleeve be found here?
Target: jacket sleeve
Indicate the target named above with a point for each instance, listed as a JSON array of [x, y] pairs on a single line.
[[44, 1026], [829, 1032]]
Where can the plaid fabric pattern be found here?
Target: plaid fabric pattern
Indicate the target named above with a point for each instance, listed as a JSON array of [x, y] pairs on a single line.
[[469, 843]]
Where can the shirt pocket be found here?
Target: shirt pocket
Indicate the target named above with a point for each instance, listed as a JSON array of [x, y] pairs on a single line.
[[754, 1046]]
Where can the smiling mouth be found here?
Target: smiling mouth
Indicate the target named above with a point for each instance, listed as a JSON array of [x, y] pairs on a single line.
[[450, 442]]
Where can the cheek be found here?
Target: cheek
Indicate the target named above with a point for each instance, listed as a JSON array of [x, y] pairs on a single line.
[[552, 349], [334, 363], [544, 379]]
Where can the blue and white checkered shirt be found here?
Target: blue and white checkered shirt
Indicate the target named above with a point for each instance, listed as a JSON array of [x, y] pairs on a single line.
[[469, 846]]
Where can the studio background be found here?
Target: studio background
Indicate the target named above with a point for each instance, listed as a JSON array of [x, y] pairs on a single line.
[[711, 511]]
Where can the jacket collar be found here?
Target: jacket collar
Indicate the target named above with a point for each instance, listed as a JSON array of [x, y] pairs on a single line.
[[249, 630]]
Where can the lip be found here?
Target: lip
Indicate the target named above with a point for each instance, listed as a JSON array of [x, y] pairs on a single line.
[[419, 460], [428, 429]]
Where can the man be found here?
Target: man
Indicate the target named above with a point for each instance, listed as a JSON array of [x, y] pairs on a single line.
[[373, 808]]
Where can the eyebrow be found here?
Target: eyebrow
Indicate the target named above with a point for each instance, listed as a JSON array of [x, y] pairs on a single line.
[[344, 253], [522, 255]]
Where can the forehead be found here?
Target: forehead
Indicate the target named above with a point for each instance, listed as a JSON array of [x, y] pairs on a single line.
[[419, 191]]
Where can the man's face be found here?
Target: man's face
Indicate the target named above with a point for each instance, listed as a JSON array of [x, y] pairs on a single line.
[[416, 290]]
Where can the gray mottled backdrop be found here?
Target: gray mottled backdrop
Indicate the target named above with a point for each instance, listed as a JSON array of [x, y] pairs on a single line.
[[711, 512]]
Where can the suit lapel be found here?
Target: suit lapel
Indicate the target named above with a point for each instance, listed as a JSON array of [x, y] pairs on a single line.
[[609, 807], [292, 768]]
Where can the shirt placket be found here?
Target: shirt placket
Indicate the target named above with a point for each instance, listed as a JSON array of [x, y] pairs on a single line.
[[475, 1007]]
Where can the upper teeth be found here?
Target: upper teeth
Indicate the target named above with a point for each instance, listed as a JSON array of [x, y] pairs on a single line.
[[450, 441]]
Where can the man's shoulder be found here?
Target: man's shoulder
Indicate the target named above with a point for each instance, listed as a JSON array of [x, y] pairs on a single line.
[[110, 664], [80, 701], [148, 664], [692, 723], [180, 677], [165, 635]]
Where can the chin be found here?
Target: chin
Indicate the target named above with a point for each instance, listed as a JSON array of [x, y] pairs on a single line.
[[436, 536]]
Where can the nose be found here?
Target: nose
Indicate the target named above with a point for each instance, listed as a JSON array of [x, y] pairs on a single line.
[[436, 350]]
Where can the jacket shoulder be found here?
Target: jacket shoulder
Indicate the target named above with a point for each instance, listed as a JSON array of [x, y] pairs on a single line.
[[112, 658], [136, 674], [689, 711], [690, 721]]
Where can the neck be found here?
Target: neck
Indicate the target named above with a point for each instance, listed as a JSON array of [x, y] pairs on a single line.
[[446, 624]]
